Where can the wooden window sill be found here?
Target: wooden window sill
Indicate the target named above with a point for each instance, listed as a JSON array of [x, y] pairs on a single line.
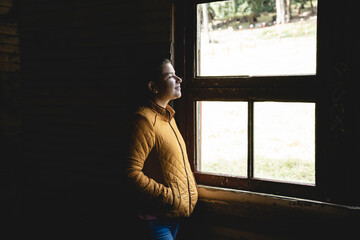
[[266, 206]]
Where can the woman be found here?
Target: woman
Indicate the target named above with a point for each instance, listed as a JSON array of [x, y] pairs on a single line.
[[157, 166]]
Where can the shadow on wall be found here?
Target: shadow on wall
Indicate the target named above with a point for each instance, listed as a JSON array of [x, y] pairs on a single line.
[[64, 110]]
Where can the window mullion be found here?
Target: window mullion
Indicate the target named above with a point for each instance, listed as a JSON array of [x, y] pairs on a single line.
[[250, 139]]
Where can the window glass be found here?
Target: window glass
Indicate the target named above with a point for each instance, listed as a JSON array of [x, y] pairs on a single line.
[[256, 38], [284, 141], [222, 137]]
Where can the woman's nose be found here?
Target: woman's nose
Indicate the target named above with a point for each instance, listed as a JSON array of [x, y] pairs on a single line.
[[178, 79]]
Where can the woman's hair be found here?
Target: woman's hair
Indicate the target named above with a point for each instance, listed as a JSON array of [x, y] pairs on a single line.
[[151, 71], [156, 68]]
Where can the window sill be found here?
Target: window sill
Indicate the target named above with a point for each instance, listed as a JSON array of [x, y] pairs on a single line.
[[257, 206]]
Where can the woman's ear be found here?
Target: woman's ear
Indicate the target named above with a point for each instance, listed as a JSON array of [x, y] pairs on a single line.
[[152, 87]]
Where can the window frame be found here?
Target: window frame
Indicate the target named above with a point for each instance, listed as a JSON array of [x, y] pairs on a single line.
[[300, 88]]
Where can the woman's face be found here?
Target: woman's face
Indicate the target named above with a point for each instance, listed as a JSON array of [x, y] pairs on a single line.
[[168, 87]]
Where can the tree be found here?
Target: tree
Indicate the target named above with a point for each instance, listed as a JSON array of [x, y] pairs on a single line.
[[205, 18], [253, 8], [301, 5], [250, 9], [287, 12], [282, 11]]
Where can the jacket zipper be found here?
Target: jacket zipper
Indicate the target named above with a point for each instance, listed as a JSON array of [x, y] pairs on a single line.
[[186, 173]]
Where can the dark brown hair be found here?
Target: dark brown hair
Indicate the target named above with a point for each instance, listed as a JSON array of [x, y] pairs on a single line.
[[157, 67], [152, 72]]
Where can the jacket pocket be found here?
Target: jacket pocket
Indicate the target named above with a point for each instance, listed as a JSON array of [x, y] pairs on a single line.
[[176, 196]]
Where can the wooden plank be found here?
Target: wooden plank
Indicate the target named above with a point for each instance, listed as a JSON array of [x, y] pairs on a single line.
[[46, 146], [77, 140], [71, 101], [136, 38], [121, 29], [9, 48], [9, 58], [6, 3], [29, 119], [103, 20], [109, 131], [9, 39], [4, 11], [9, 29], [79, 92], [9, 67], [35, 7]]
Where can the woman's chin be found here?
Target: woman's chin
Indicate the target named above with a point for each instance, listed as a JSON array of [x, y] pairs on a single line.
[[178, 95]]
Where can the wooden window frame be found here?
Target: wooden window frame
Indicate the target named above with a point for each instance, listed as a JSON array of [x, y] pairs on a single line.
[[305, 88]]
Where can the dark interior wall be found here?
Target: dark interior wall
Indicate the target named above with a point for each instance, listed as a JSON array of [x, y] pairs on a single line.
[[339, 50], [10, 103], [80, 65]]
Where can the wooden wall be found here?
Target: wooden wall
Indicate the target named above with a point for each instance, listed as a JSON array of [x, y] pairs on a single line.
[[80, 65], [10, 99]]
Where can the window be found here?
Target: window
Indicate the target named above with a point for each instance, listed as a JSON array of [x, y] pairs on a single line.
[[284, 141], [282, 136], [241, 37], [252, 94], [222, 137]]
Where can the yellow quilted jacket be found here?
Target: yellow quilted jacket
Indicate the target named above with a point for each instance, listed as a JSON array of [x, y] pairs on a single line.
[[157, 164]]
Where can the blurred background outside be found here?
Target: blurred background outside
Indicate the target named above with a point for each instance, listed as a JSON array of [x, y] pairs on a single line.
[[249, 37]]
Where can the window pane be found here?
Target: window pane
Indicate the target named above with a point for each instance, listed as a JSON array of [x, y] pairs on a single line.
[[222, 137], [256, 38], [284, 141]]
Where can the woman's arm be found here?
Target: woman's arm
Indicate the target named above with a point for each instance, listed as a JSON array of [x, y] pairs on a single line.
[[141, 142]]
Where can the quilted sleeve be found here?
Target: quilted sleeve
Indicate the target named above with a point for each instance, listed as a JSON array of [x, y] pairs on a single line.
[[141, 142]]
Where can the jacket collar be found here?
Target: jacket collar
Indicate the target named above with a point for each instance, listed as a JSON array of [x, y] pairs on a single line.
[[167, 113]]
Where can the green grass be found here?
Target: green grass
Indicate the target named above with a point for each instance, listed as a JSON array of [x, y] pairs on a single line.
[[221, 166], [291, 170], [301, 29]]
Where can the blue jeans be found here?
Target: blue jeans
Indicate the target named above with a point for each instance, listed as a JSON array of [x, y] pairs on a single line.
[[161, 229]]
